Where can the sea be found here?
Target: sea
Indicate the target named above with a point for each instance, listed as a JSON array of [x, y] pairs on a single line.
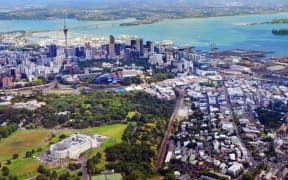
[[226, 32]]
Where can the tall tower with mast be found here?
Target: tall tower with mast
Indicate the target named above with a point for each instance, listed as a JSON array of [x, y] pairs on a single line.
[[65, 33]]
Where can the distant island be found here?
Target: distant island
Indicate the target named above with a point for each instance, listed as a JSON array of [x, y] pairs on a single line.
[[139, 22], [274, 21], [142, 15], [280, 31]]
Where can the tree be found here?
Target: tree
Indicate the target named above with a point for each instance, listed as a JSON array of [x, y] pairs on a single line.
[[13, 177], [74, 166], [170, 176], [5, 171], [247, 176], [42, 177], [62, 136], [28, 154], [53, 175], [42, 170], [15, 156], [136, 175], [64, 176], [80, 173]]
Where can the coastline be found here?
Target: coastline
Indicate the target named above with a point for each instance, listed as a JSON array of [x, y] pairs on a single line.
[[157, 20]]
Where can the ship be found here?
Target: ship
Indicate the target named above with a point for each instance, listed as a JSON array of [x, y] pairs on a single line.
[[280, 31]]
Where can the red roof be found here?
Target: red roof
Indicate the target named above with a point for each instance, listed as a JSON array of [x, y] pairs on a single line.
[[283, 127]]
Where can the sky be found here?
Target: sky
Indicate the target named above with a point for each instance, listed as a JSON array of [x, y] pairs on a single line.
[[125, 3]]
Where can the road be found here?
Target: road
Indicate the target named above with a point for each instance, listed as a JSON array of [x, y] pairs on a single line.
[[163, 149], [48, 86]]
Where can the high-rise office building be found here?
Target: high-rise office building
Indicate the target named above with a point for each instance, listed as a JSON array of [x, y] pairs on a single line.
[[52, 51], [133, 44], [140, 47], [118, 48], [137, 47], [80, 51], [150, 46], [111, 47]]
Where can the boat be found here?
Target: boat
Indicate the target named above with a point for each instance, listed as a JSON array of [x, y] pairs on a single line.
[[280, 31]]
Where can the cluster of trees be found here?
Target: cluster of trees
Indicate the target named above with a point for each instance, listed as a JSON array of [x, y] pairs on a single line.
[[161, 76], [131, 159], [208, 84], [135, 156], [5, 174], [86, 110], [143, 62], [132, 80], [74, 166], [5, 131], [92, 164], [269, 118], [11, 115], [47, 174]]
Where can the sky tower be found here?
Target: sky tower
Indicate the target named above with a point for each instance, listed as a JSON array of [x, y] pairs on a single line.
[[65, 33]]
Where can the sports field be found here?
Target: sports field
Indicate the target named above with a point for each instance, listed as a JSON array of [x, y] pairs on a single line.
[[110, 177]]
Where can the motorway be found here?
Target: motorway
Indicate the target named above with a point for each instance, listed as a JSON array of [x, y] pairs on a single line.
[[164, 144]]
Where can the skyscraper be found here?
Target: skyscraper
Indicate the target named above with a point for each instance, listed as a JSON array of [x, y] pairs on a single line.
[[150, 46], [133, 44], [111, 47], [118, 48], [52, 50], [80, 51], [139, 45]]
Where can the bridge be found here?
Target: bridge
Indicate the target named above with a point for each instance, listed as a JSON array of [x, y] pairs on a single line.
[[83, 27]]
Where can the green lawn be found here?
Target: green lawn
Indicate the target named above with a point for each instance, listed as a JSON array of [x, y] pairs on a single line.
[[110, 177], [22, 141], [114, 131], [60, 91], [131, 114], [24, 168], [26, 140]]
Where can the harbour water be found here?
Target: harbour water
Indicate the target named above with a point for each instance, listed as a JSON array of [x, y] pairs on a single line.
[[226, 32]]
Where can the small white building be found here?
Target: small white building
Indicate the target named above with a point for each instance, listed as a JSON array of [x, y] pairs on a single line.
[[235, 169]]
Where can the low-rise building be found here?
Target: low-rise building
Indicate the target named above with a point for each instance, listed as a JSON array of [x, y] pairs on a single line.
[[235, 169], [74, 145]]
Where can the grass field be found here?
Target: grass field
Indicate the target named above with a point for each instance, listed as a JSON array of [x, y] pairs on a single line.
[[24, 168], [25, 140], [114, 131], [131, 114], [21, 141], [59, 91], [110, 177]]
